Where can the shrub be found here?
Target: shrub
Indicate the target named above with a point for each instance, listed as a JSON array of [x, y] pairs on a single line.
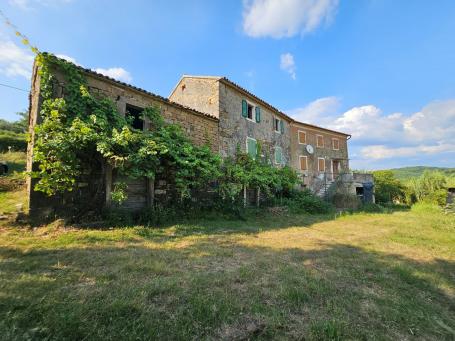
[[17, 141], [430, 187], [305, 202], [346, 200], [373, 208], [387, 187]]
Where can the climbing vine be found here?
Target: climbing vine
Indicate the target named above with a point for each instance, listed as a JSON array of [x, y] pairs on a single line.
[[81, 129]]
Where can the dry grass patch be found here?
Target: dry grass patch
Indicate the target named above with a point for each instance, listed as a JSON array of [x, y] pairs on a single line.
[[381, 276]]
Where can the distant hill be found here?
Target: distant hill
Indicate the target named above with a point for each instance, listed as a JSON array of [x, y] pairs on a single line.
[[405, 173]]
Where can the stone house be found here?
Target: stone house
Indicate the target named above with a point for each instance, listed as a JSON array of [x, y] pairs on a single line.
[[211, 110], [246, 122], [202, 128]]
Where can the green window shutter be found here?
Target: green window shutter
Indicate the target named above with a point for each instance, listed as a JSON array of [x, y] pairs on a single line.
[[244, 108], [282, 126], [252, 148], [258, 114], [278, 156]]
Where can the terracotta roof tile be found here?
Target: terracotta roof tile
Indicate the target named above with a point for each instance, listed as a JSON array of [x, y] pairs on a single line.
[[158, 97]]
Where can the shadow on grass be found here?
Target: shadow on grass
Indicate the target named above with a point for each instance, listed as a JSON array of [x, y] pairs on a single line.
[[222, 289]]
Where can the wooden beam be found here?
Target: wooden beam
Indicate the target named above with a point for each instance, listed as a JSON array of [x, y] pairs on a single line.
[[150, 192], [108, 185]]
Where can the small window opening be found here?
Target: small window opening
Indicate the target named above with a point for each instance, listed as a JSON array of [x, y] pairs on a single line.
[[359, 191], [250, 112], [276, 124], [135, 115]]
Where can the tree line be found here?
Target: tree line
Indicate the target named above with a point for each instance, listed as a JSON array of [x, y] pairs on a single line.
[[430, 187]]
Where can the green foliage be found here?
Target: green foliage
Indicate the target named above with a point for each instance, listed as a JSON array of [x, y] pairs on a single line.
[[305, 202], [17, 141], [407, 173], [119, 192], [430, 187], [387, 187], [82, 129], [20, 126]]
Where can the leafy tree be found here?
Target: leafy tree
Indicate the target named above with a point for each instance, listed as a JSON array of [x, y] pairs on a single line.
[[429, 187], [18, 126], [387, 187]]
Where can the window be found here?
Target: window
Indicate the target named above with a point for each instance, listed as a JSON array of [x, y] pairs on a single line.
[[251, 147], [276, 124], [302, 137], [303, 163], [278, 156], [250, 112], [320, 141], [321, 164], [336, 144], [134, 114]]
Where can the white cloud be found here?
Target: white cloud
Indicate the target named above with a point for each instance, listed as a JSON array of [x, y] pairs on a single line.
[[14, 60], [368, 122], [320, 111], [287, 64], [285, 18], [384, 152], [431, 131], [435, 121], [117, 73]]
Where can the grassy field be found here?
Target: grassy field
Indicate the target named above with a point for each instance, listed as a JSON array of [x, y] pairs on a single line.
[[12, 189], [363, 276]]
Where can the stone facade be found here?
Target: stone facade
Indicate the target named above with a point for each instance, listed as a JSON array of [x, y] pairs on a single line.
[[333, 155], [201, 93], [234, 128], [211, 110], [200, 127]]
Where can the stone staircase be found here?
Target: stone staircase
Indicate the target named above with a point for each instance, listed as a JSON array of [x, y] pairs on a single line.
[[322, 191]]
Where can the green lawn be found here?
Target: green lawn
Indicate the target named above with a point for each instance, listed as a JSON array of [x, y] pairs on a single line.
[[363, 276], [12, 188]]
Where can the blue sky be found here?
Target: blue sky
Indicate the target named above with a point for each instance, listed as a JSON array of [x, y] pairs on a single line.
[[381, 70]]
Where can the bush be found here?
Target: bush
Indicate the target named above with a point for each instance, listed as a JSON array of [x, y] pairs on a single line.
[[373, 208], [387, 187], [304, 202], [116, 217], [346, 200], [17, 141], [430, 187]]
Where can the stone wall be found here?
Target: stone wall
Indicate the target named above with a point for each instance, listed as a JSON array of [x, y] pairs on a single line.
[[200, 93], [327, 152], [234, 128], [200, 128]]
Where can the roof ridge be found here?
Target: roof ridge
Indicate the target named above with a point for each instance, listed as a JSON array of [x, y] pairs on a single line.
[[164, 99]]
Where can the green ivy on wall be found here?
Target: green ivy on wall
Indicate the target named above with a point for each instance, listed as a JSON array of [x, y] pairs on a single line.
[[79, 128]]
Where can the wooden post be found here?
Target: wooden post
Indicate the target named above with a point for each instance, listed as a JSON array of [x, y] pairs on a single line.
[[244, 195], [108, 185], [258, 196], [150, 192]]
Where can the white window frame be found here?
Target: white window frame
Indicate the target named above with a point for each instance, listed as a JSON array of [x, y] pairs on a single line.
[[246, 145], [319, 170], [253, 111], [333, 144], [298, 136], [279, 125], [274, 155], [306, 162], [317, 144]]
